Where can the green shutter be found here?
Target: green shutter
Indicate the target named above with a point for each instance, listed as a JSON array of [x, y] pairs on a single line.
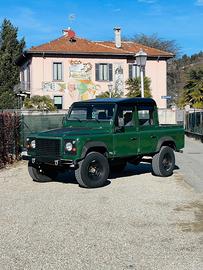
[[130, 71], [110, 72], [97, 72]]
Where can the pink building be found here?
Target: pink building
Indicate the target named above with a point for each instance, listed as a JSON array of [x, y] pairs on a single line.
[[70, 68]]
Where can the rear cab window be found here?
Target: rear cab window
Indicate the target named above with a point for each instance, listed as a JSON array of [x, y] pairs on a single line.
[[125, 116], [145, 115]]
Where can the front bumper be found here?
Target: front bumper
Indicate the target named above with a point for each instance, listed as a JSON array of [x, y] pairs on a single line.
[[72, 164]]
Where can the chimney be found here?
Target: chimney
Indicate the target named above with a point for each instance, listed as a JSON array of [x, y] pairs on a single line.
[[117, 32]]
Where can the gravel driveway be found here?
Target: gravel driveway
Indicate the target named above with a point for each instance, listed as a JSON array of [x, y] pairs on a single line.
[[137, 221]]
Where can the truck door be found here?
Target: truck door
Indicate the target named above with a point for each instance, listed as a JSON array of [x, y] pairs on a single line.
[[147, 129], [126, 137]]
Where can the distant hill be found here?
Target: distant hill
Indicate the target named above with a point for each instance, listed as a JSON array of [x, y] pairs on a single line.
[[178, 70]]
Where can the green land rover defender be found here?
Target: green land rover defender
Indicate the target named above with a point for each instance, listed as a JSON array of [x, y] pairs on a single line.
[[102, 135]]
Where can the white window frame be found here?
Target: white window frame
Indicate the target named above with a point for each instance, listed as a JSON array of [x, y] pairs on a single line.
[[56, 76], [104, 72]]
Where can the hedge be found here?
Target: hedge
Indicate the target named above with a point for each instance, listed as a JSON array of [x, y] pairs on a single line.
[[9, 138]]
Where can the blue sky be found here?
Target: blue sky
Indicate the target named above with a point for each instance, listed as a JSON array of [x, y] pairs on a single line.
[[40, 21]]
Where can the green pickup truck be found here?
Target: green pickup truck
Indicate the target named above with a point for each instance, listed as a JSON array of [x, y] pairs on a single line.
[[102, 135]]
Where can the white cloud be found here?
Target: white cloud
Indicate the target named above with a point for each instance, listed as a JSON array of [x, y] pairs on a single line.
[[199, 3]]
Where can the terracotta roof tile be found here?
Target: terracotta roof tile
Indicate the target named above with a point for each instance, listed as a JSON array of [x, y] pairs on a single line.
[[80, 45], [133, 47]]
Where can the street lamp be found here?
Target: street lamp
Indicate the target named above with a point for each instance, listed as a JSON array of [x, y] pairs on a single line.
[[141, 58], [110, 86]]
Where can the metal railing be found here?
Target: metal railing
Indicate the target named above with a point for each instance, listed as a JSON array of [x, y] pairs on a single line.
[[194, 122]]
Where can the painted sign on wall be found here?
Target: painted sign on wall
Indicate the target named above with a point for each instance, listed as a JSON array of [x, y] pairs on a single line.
[[54, 86], [79, 70]]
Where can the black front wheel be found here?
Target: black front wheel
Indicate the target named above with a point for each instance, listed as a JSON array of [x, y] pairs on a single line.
[[163, 163], [92, 171], [42, 173]]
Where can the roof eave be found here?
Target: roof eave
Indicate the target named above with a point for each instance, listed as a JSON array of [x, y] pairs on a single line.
[[41, 52]]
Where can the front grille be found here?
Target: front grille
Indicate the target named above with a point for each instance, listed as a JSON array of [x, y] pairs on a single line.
[[47, 147]]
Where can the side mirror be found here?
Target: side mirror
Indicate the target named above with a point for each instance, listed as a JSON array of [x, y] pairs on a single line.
[[119, 129]]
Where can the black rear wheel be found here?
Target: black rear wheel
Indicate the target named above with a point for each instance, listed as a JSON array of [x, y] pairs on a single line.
[[93, 170], [163, 163]]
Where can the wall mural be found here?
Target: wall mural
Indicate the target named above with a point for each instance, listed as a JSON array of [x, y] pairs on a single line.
[[79, 85], [54, 86], [79, 70], [80, 74], [118, 78], [82, 89]]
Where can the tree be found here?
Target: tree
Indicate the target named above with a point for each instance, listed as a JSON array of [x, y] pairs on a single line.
[[39, 103], [173, 70], [134, 87], [192, 93], [10, 50], [156, 42], [106, 94]]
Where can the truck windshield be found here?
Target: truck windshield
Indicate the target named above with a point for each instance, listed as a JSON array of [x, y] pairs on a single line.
[[86, 112]]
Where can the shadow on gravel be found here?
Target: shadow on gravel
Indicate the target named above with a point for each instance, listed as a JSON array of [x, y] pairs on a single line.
[[68, 177], [131, 170]]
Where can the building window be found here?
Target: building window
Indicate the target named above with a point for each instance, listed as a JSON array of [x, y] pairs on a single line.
[[57, 71], [134, 71], [58, 102], [25, 78], [104, 72], [28, 78]]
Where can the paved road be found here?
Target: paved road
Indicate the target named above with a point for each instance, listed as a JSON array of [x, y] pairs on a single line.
[[191, 163], [138, 221]]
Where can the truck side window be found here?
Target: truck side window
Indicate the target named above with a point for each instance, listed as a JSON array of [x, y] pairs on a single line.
[[125, 117], [145, 116]]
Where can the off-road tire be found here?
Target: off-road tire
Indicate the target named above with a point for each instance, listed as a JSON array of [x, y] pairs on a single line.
[[163, 162], [92, 171], [44, 174]]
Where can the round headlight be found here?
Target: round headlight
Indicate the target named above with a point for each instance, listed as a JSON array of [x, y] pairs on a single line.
[[33, 144], [69, 146]]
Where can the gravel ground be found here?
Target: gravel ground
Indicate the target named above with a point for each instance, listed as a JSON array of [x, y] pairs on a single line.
[[137, 221]]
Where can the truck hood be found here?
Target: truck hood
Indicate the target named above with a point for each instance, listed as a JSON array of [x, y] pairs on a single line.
[[72, 131]]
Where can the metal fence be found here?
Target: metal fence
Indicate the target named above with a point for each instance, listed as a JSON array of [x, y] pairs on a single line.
[[194, 122], [39, 121], [35, 121]]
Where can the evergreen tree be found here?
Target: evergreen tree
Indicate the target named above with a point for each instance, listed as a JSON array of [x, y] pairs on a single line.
[[134, 87], [10, 50], [192, 93]]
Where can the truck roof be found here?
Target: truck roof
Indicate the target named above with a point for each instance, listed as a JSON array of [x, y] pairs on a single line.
[[138, 100]]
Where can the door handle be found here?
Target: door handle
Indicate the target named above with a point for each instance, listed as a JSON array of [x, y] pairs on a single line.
[[153, 136], [133, 139]]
